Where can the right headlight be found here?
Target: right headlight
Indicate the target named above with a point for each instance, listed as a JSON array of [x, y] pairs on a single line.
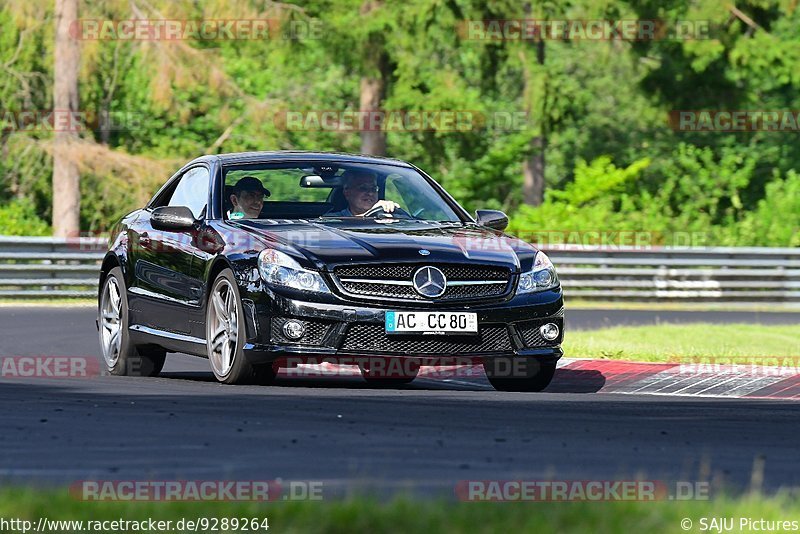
[[278, 268], [541, 277]]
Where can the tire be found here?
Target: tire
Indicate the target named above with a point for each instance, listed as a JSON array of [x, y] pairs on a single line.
[[516, 374], [225, 335], [406, 375], [121, 357]]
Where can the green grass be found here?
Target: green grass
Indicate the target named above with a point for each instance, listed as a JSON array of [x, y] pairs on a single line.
[[578, 304], [46, 302], [407, 515], [672, 342]]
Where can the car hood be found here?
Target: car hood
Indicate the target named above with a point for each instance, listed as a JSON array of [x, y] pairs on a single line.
[[330, 243]]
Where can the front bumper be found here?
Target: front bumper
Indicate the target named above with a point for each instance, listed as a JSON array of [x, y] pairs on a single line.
[[344, 330]]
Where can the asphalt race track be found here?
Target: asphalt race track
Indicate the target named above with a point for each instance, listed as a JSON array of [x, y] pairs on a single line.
[[421, 438]]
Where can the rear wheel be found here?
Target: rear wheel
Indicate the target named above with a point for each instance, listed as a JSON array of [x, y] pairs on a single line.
[[225, 335], [519, 374], [120, 356]]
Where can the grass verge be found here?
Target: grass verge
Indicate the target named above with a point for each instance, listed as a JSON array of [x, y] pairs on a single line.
[[577, 304], [674, 342], [407, 515], [45, 303]]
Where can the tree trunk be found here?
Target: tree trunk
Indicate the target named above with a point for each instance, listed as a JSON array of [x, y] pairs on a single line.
[[373, 93], [373, 138], [533, 172], [533, 166], [66, 179]]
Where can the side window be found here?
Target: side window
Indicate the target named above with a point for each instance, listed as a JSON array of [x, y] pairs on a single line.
[[192, 191]]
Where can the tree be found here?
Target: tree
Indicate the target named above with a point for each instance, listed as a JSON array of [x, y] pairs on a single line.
[[66, 177], [373, 86], [533, 165]]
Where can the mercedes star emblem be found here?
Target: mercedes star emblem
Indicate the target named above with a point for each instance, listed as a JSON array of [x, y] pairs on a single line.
[[430, 282]]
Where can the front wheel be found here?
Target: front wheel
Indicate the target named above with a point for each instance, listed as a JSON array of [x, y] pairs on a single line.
[[121, 357], [225, 335], [519, 374]]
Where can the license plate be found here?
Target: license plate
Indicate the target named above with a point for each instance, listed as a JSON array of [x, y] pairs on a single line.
[[425, 322]]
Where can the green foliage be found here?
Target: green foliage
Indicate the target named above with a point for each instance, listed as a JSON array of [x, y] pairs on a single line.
[[363, 512], [595, 201], [597, 182], [693, 197], [18, 217], [612, 162], [776, 221]]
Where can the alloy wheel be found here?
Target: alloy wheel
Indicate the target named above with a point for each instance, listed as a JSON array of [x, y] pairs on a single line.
[[222, 328], [111, 322]]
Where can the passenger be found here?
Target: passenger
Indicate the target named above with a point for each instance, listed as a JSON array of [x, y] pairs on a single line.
[[247, 197]]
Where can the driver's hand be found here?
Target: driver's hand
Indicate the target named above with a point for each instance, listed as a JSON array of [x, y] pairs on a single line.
[[387, 205]]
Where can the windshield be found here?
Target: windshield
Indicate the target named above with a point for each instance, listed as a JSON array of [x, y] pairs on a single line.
[[311, 190]]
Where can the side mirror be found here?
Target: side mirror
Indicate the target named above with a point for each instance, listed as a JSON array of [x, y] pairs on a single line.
[[172, 218], [492, 219]]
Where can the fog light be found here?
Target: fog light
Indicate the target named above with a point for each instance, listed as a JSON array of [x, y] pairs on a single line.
[[549, 331], [293, 329]]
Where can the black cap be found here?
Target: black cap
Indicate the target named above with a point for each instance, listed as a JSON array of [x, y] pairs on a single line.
[[250, 183]]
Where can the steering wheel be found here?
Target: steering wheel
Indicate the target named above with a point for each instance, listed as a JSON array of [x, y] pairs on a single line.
[[378, 211]]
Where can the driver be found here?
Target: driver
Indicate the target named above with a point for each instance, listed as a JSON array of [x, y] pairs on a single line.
[[247, 198], [360, 189]]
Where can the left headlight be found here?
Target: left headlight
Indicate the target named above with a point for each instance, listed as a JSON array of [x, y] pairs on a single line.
[[543, 276], [280, 269]]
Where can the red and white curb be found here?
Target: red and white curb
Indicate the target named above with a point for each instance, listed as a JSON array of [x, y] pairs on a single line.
[[685, 379], [608, 376]]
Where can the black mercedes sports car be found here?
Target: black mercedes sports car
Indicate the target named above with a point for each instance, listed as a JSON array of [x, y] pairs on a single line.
[[263, 260]]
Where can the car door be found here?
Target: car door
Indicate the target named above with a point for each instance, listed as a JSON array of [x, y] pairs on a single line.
[[165, 288]]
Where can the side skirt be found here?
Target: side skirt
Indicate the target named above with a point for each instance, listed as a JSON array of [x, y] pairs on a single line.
[[170, 341]]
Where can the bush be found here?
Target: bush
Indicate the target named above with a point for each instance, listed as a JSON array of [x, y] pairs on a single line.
[[776, 220], [694, 197], [597, 201], [19, 218]]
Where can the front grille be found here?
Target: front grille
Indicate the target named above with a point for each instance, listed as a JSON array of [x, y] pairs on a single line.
[[377, 272], [473, 292], [372, 281], [373, 338], [529, 330], [380, 290], [404, 271], [314, 333]]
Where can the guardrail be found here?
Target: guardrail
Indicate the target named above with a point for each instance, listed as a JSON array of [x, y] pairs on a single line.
[[51, 267], [714, 274], [37, 267]]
